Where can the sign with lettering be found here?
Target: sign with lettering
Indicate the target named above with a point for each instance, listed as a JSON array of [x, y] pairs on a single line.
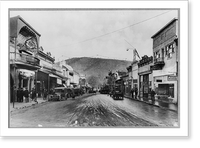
[[172, 78]]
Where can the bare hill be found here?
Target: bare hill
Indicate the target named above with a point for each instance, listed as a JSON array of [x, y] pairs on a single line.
[[97, 67]]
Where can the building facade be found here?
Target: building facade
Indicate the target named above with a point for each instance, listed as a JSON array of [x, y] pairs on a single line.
[[129, 81], [145, 77], [165, 68], [135, 84], [76, 79], [67, 72], [56, 77], [44, 79], [24, 62]]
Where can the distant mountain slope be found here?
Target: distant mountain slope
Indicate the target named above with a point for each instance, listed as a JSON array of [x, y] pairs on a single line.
[[97, 67]]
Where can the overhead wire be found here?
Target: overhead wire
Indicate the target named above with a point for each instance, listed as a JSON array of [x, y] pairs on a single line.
[[119, 29]]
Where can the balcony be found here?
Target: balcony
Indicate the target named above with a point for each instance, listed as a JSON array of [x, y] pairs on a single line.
[[24, 58], [159, 60], [158, 64]]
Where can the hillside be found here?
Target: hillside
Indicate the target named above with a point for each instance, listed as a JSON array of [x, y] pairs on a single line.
[[97, 67]]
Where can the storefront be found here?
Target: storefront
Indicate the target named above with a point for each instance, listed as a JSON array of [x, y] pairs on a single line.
[[145, 85], [145, 77], [23, 47], [21, 79], [166, 88], [42, 82]]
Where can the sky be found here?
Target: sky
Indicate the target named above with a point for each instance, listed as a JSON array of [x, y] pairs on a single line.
[[96, 33]]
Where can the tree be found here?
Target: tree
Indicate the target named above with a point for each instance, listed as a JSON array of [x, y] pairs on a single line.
[[93, 81], [111, 78]]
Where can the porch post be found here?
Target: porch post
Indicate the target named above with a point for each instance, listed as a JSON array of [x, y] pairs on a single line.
[[36, 83], [48, 86], [15, 87]]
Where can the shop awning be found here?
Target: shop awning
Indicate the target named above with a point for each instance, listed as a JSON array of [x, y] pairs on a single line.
[[27, 73], [21, 65], [54, 76], [45, 71]]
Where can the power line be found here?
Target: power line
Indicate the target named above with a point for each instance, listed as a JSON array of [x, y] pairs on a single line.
[[120, 28]]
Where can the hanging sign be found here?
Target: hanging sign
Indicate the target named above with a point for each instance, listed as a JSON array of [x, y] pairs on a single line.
[[59, 81]]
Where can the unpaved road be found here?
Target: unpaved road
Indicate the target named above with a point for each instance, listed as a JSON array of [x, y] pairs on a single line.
[[93, 111]]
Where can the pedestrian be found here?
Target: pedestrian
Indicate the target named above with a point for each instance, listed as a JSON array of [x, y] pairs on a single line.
[[153, 95], [132, 92], [18, 95], [43, 90], [33, 94], [26, 95], [45, 94], [136, 92], [21, 95]]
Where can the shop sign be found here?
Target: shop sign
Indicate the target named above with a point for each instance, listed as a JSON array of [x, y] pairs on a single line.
[[59, 81], [172, 78]]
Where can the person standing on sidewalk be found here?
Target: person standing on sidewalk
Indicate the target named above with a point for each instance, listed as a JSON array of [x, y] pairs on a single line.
[[34, 95], [136, 92], [18, 95], [26, 95], [153, 95], [21, 95], [132, 93], [45, 94]]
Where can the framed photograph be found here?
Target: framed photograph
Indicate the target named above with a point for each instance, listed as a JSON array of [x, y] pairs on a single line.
[[94, 68]]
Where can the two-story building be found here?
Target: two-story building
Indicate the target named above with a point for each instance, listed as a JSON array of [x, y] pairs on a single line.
[[23, 48], [56, 77], [165, 68], [44, 79], [76, 79], [67, 72]]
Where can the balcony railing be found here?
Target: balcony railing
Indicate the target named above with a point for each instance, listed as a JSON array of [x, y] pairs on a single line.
[[159, 60], [28, 59], [158, 64]]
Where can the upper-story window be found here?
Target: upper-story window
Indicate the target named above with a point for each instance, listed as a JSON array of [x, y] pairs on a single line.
[[157, 55], [170, 49]]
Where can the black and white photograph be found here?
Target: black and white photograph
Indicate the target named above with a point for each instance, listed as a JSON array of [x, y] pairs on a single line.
[[94, 68]]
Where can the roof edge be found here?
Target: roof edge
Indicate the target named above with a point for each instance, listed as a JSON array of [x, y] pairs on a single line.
[[174, 19], [19, 17]]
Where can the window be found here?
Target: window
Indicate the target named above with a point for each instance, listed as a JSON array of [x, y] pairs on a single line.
[[169, 50], [156, 55], [71, 74], [158, 80]]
